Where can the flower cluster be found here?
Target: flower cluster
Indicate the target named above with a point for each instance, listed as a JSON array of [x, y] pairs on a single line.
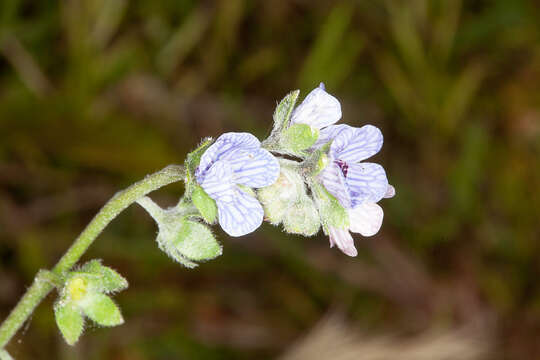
[[309, 173], [330, 184]]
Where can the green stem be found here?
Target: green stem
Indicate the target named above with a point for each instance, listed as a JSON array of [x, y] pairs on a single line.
[[119, 202], [4, 355]]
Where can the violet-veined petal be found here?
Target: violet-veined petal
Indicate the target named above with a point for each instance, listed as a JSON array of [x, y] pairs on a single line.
[[333, 180], [319, 109], [239, 215], [366, 182], [343, 239], [390, 192], [366, 219], [217, 182], [254, 168], [357, 144], [222, 146], [330, 133]]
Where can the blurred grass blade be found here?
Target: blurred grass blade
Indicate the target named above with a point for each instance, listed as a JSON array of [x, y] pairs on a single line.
[[460, 96], [183, 41], [108, 20], [406, 36], [445, 27], [336, 48], [399, 86], [25, 65]]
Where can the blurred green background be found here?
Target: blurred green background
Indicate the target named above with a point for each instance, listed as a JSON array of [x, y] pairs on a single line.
[[94, 94]]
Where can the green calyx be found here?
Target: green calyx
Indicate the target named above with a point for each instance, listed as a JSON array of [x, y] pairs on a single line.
[[205, 204], [283, 111], [287, 202], [192, 162], [85, 294], [184, 239], [298, 137]]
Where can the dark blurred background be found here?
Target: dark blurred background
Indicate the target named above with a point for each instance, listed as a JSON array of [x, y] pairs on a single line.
[[94, 94]]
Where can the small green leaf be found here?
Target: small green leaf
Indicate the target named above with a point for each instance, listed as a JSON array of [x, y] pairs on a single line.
[[205, 204], [102, 310], [105, 279], [299, 137], [69, 320], [331, 211], [283, 111], [196, 242]]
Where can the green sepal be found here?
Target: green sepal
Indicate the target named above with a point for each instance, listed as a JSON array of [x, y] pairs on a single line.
[[196, 242], [299, 137], [194, 158], [101, 309], [330, 210], [69, 320], [103, 278], [205, 204], [186, 241], [283, 111]]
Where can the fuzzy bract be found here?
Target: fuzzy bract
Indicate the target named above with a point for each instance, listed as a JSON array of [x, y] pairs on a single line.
[[236, 159]]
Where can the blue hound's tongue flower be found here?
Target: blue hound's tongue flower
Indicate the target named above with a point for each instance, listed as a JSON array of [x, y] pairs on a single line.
[[356, 185], [350, 181], [236, 159]]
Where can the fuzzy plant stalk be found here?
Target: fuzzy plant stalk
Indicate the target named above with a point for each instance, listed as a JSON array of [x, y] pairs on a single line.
[[45, 281], [307, 175]]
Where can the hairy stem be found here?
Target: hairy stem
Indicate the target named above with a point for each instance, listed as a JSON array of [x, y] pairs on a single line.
[[42, 284]]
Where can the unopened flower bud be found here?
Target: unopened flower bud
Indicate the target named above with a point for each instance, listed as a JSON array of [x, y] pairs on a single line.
[[278, 197], [184, 240], [302, 218]]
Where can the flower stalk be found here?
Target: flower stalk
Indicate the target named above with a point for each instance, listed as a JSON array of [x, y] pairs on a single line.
[[42, 284]]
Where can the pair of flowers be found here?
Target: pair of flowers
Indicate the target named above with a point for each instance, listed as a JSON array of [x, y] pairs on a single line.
[[237, 162]]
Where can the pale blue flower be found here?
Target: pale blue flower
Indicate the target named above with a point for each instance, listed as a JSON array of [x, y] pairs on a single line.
[[237, 159], [351, 181], [357, 185]]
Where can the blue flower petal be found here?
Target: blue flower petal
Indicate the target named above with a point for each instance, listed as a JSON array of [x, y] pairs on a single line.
[[330, 133], [218, 181], [357, 144], [222, 146], [240, 214], [254, 168], [367, 182], [319, 109], [333, 180]]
